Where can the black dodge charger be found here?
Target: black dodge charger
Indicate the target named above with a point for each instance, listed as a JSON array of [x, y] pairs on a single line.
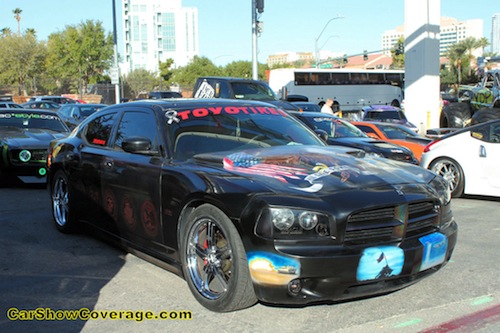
[[248, 204], [25, 137]]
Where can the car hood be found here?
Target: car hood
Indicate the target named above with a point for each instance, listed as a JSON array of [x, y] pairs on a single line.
[[29, 137], [315, 169]]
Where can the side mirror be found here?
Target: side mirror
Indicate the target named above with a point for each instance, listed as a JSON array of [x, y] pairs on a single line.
[[322, 134], [138, 145]]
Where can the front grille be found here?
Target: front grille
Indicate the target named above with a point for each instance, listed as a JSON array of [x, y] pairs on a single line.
[[391, 223]]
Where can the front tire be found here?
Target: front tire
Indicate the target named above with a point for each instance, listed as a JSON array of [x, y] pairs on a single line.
[[61, 203], [452, 172], [214, 261]]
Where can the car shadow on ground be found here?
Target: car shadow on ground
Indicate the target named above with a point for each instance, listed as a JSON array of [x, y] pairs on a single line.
[[44, 270]]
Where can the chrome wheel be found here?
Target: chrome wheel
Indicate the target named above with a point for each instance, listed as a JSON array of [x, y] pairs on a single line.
[[209, 259], [214, 261], [61, 203], [451, 171]]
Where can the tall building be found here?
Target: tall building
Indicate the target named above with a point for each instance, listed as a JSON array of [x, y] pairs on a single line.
[[452, 31], [156, 30], [495, 33]]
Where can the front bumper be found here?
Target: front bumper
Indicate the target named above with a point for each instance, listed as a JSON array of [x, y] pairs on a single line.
[[288, 274]]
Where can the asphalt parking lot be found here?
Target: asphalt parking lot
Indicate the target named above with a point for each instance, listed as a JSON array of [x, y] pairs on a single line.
[[43, 269]]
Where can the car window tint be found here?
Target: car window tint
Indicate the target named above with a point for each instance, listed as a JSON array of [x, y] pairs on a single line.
[[137, 124], [98, 131]]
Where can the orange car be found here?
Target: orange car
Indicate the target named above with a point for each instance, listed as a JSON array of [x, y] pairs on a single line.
[[394, 133]]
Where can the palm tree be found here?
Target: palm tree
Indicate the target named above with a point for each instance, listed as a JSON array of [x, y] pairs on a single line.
[[31, 31], [483, 42], [6, 31], [470, 44], [17, 15]]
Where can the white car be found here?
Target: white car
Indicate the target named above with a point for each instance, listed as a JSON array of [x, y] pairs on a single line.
[[469, 159]]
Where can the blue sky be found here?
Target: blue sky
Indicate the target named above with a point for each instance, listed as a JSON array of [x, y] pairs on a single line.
[[225, 25]]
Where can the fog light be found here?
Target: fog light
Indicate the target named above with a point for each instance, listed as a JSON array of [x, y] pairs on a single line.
[[294, 287], [42, 171], [24, 155]]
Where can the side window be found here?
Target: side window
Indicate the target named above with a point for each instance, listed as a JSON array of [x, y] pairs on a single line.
[[137, 124], [65, 111], [487, 133], [98, 130]]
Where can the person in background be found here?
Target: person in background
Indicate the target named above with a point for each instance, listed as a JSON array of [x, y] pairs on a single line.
[[327, 107]]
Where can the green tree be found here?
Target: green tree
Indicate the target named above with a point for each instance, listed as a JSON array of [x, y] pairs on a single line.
[[165, 70], [140, 81], [239, 69], [17, 15], [31, 31], [21, 58], [80, 54], [398, 55], [199, 66], [6, 31]]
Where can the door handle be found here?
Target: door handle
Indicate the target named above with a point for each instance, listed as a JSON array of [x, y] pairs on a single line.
[[482, 151], [108, 163]]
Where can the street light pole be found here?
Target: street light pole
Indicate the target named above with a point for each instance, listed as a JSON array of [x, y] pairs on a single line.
[[316, 50]]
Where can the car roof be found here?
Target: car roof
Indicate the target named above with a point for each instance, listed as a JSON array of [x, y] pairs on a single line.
[[163, 105]]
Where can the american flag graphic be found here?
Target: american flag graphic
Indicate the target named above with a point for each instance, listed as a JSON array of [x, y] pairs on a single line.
[[246, 163]]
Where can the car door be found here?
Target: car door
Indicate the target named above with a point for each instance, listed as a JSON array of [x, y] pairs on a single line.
[[130, 181], [489, 155]]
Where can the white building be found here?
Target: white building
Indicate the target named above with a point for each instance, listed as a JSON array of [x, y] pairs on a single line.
[[495, 33], [156, 30], [452, 31]]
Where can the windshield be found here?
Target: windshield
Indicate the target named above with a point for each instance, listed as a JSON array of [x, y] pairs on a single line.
[[252, 90], [234, 128], [32, 120], [392, 132]]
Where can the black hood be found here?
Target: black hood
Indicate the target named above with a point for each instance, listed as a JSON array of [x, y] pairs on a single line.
[[28, 137]]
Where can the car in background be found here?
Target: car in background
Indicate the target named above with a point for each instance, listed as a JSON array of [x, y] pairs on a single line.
[[55, 99], [308, 106], [469, 159], [246, 203], [73, 114], [386, 113], [164, 94], [238, 88], [25, 137], [338, 132], [45, 105], [397, 134], [10, 105]]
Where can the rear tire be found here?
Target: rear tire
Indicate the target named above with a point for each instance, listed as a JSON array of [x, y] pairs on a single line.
[[455, 115], [452, 172], [214, 261]]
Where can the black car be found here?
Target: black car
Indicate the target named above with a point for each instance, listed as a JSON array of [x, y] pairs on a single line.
[[338, 132], [73, 114], [248, 204], [25, 137]]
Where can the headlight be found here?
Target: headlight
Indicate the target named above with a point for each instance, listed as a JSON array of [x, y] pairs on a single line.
[[24, 155], [282, 218], [292, 223], [442, 189]]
